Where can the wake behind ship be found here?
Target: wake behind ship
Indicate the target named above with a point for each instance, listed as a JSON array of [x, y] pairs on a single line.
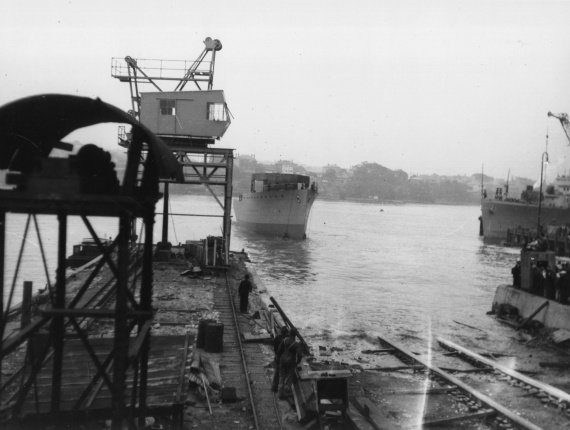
[[278, 204]]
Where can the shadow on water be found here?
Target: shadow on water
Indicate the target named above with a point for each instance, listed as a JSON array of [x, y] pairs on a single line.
[[277, 259]]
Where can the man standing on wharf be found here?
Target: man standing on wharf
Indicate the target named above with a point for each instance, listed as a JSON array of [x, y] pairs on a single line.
[[245, 287], [290, 355], [276, 344]]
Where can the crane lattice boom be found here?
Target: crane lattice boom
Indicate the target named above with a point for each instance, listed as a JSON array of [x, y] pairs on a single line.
[[563, 118]]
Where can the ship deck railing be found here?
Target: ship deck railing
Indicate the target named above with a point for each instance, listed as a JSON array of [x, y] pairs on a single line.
[[557, 238]]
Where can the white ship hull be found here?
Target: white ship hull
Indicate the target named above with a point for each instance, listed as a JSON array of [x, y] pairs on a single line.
[[283, 213]]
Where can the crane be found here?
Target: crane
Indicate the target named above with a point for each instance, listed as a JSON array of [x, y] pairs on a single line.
[[563, 118]]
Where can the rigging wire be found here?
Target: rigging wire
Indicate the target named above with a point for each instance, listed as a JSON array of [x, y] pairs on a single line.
[[172, 219], [289, 217], [310, 216]]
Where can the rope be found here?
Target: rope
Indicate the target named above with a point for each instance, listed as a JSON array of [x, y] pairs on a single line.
[[289, 217], [310, 218]]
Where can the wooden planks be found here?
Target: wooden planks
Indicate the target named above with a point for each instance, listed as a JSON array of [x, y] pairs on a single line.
[[372, 414], [166, 375]]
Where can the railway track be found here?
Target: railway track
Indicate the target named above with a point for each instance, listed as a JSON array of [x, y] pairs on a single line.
[[246, 368], [480, 393]]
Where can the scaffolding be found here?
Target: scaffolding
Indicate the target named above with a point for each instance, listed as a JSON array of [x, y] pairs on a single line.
[[82, 185]]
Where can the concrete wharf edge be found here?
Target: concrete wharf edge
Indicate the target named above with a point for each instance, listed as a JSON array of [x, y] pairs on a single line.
[[555, 315]]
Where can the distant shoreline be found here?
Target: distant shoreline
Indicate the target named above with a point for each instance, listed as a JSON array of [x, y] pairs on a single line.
[[394, 202]]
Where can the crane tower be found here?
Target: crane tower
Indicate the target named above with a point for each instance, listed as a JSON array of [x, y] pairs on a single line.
[[188, 121]]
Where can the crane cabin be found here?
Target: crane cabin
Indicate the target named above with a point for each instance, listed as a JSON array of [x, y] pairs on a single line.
[[185, 114]]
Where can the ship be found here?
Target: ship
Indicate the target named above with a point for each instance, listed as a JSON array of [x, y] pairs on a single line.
[[86, 251], [278, 204], [536, 212], [500, 213]]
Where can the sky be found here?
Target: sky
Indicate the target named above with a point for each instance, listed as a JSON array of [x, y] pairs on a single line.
[[444, 87]]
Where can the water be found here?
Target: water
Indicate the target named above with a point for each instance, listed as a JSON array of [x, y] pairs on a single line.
[[408, 272]]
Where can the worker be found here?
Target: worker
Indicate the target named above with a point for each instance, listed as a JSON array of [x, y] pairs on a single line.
[[560, 282], [565, 287], [276, 344], [245, 287], [549, 290], [516, 271], [290, 355], [536, 280]]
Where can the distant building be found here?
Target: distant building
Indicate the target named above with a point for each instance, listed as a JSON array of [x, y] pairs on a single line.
[[562, 185], [314, 169], [285, 168]]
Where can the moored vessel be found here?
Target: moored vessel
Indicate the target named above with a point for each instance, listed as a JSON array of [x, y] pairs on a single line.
[[499, 215], [532, 210], [86, 251], [278, 204]]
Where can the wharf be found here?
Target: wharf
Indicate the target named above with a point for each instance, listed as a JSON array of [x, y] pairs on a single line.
[[392, 390], [181, 300]]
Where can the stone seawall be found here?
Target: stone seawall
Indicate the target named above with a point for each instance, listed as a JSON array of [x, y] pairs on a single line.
[[553, 316]]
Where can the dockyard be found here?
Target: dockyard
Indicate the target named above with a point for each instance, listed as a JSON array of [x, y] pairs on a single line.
[[156, 278], [223, 381]]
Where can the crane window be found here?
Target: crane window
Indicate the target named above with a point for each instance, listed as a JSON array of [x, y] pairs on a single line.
[[216, 112], [167, 107]]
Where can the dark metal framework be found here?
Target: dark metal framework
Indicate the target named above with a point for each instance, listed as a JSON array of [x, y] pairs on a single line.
[[202, 164], [144, 71], [128, 295]]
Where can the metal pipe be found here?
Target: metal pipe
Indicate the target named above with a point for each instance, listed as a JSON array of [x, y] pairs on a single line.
[[165, 214], [286, 319], [57, 326]]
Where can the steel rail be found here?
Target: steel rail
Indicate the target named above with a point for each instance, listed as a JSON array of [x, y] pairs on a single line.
[[487, 401], [549, 389], [243, 360]]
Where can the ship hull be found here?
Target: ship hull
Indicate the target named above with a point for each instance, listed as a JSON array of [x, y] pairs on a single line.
[[499, 216], [283, 213]]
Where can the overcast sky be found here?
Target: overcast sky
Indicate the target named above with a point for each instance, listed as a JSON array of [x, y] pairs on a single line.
[[424, 86]]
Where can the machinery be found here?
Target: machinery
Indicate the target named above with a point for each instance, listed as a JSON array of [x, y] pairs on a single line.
[[83, 185]]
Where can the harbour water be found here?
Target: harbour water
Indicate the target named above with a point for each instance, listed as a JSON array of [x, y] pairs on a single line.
[[409, 272]]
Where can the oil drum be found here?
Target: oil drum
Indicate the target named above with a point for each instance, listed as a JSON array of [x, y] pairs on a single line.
[[214, 337], [201, 337]]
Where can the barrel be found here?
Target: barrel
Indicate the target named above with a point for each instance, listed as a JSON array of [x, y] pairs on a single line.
[[214, 337], [201, 337]]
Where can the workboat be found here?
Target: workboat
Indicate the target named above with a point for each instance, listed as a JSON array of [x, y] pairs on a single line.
[[86, 251], [278, 204], [502, 213]]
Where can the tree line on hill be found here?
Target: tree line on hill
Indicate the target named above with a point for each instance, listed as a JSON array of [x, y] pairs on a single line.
[[372, 182]]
